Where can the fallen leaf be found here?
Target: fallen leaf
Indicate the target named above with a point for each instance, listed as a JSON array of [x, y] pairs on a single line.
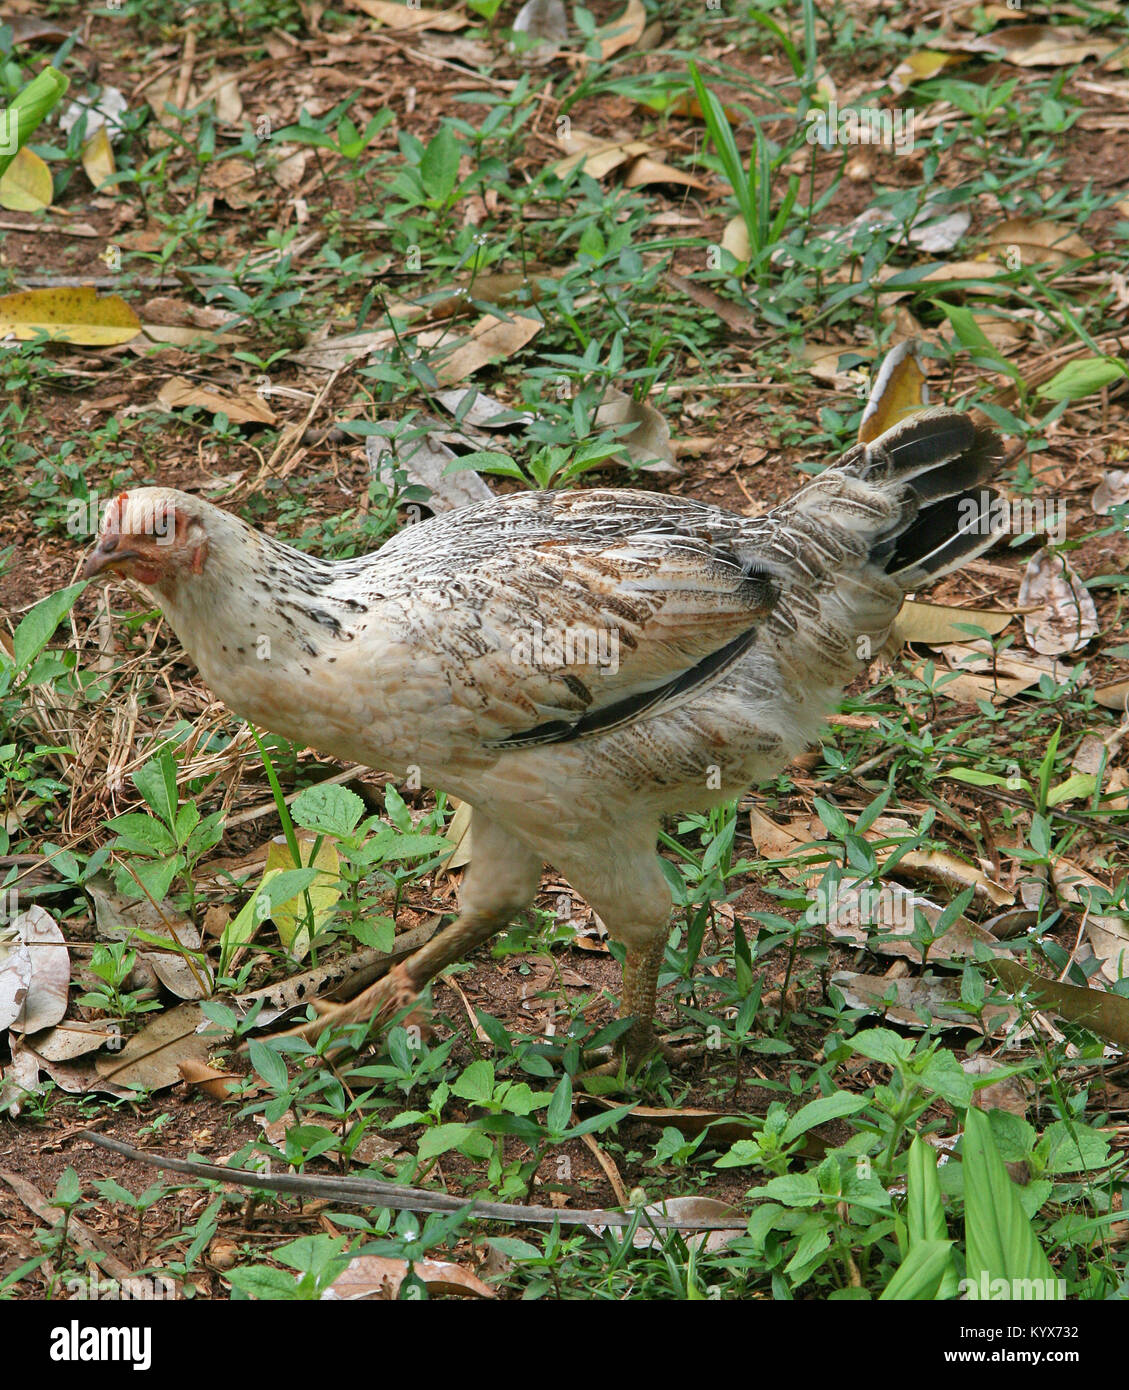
[[624, 31], [643, 171], [919, 1001], [1035, 45], [1103, 1013], [426, 460], [26, 184], [1037, 240], [377, 1277], [247, 407], [409, 16], [647, 444], [938, 624], [598, 156], [691, 1210], [98, 157], [490, 340], [1112, 491], [151, 1059], [458, 832], [75, 1038], [1106, 933], [207, 1079], [543, 21], [1065, 619], [75, 315], [919, 66], [1009, 1093], [1115, 696], [290, 918], [49, 977]]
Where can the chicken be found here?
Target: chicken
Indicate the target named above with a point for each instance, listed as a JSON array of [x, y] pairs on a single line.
[[574, 665]]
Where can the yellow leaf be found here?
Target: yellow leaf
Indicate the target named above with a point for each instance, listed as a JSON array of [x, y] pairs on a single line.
[[73, 315], [26, 185], [936, 624], [290, 918], [98, 157], [735, 239], [899, 390], [919, 66]]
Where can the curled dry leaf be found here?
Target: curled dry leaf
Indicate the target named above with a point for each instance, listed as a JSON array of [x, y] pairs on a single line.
[[425, 460], [375, 1277], [624, 31], [883, 920], [119, 919], [1065, 619], [599, 156], [647, 443], [207, 1079], [15, 974], [20, 1079], [45, 1001], [921, 65], [1036, 45]]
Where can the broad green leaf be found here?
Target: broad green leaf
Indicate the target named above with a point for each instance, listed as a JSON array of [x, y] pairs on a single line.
[[999, 1241], [1083, 377], [38, 627], [328, 810], [819, 1111], [923, 1273]]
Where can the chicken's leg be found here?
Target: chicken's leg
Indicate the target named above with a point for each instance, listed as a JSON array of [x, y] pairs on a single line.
[[500, 882]]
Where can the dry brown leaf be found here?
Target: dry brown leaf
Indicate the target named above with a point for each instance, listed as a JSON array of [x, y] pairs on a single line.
[[376, 1277], [599, 156], [1009, 1093], [647, 443], [861, 913], [1115, 696], [49, 975], [397, 16], [904, 1000], [490, 340], [1035, 45], [75, 1038], [1107, 934], [1037, 240], [213, 1083], [247, 407], [644, 171], [624, 31], [151, 1059], [1065, 619]]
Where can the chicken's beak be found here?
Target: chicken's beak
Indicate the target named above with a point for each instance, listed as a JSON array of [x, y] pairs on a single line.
[[104, 555]]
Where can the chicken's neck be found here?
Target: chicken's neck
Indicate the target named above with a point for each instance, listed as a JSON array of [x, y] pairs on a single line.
[[267, 625]]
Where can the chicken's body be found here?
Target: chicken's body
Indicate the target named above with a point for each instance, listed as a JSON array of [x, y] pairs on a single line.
[[577, 665]]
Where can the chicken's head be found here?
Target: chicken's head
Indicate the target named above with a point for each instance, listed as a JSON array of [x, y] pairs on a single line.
[[153, 535]]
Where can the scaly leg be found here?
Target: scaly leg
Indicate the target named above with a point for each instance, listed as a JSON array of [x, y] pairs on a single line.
[[500, 882]]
